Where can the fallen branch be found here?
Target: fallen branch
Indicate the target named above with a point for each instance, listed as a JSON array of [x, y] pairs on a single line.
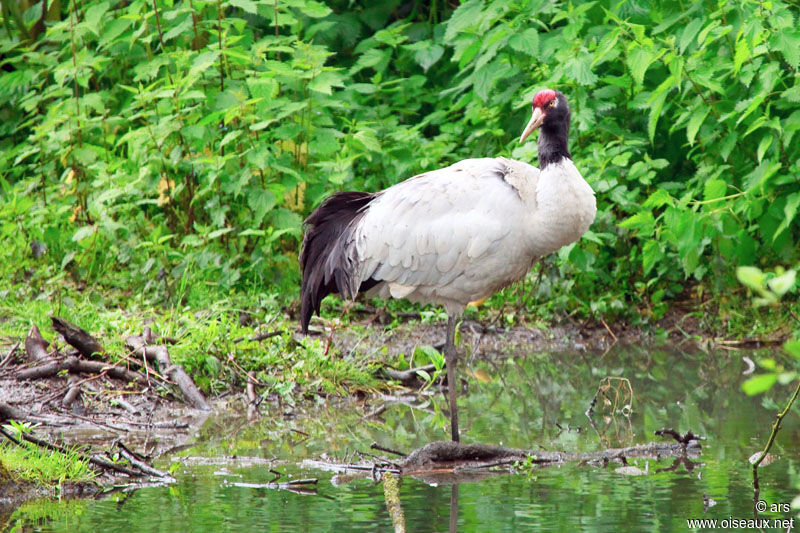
[[410, 377], [125, 405], [160, 354], [87, 345], [73, 364]]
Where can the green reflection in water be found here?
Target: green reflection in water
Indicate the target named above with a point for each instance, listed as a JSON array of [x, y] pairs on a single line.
[[531, 402]]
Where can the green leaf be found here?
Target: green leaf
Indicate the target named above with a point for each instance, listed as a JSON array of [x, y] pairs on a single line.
[[659, 198], [639, 60], [751, 276], [742, 53], [465, 15], [643, 222], [325, 81], [218, 233], [695, 121], [428, 56], [83, 232], [656, 104], [485, 77], [651, 255], [93, 16], [782, 284], [789, 212], [373, 58], [314, 9], [432, 354], [792, 346], [714, 189], [245, 5], [178, 29], [788, 42], [763, 146], [579, 68], [526, 42], [367, 139], [424, 375], [112, 30], [230, 137], [792, 94], [759, 384], [689, 32], [260, 202], [761, 174]]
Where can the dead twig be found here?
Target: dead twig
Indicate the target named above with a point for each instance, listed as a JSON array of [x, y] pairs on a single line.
[[8, 357], [259, 337], [376, 446]]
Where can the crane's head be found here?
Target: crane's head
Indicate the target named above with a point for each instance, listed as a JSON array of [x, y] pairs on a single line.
[[550, 108]]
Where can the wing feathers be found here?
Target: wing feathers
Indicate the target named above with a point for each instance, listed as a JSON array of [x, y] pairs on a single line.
[[433, 230]]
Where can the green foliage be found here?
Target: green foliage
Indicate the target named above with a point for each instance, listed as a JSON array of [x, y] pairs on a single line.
[[167, 146], [430, 355], [770, 289]]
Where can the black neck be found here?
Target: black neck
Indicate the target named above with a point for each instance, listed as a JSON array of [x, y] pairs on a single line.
[[553, 143]]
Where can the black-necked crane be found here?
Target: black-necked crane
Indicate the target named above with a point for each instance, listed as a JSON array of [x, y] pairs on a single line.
[[454, 235]]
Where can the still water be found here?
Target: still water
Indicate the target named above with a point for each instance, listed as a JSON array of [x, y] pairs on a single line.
[[533, 402]]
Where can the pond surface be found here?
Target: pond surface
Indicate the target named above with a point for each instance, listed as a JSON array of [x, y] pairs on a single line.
[[536, 402]]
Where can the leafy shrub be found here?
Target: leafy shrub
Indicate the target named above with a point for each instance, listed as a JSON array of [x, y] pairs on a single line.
[[183, 142]]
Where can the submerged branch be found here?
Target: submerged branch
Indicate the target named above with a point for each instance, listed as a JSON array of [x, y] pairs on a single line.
[[447, 458]]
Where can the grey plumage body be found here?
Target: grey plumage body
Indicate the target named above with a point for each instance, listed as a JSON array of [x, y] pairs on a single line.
[[461, 233]]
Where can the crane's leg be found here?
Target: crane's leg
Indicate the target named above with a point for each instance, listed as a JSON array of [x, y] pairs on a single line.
[[450, 358]]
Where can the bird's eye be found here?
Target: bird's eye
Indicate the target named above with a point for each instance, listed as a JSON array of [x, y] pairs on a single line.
[[552, 103]]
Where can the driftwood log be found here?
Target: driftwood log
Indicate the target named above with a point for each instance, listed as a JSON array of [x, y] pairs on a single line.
[[36, 346], [87, 345], [447, 454]]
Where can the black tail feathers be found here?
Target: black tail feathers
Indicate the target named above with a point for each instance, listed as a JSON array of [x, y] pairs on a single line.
[[323, 259]]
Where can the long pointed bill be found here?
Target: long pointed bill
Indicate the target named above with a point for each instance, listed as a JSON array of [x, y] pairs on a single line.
[[536, 121]]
